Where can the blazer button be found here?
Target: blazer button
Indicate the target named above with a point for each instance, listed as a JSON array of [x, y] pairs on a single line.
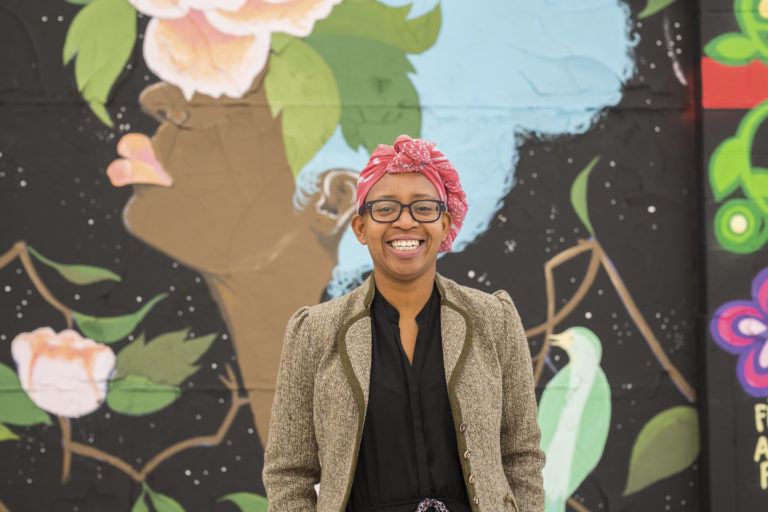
[[472, 478], [476, 500], [466, 454], [463, 427]]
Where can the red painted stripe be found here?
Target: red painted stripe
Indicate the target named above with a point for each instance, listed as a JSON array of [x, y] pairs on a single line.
[[733, 87]]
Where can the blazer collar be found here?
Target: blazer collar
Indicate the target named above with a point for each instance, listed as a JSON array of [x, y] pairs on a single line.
[[354, 339]]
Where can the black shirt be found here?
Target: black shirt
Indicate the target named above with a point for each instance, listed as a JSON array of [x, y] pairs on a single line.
[[408, 448]]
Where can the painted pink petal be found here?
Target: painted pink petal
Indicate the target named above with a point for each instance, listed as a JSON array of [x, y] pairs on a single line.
[[208, 5], [190, 53], [139, 165], [760, 289], [754, 377], [727, 320], [161, 8], [294, 17]]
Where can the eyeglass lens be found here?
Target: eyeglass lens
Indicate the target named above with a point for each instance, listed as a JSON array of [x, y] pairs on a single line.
[[422, 211]]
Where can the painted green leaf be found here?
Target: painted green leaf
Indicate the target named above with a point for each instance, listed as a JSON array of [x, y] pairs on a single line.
[[140, 505], [378, 100], [247, 501], [109, 329], [15, 406], [100, 39], [579, 194], [136, 395], [729, 162], [733, 48], [77, 274], [164, 503], [667, 444], [300, 85], [654, 6], [167, 359], [7, 434], [370, 19]]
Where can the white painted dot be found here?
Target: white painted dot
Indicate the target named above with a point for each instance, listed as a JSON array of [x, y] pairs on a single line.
[[738, 224], [138, 298], [651, 209], [588, 315]]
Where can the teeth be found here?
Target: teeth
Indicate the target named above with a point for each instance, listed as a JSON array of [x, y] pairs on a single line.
[[405, 245]]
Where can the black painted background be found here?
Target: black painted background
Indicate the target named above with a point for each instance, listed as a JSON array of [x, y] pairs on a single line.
[[49, 139]]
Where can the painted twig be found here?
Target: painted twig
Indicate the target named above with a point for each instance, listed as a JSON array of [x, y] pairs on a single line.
[[193, 442], [554, 317], [19, 250]]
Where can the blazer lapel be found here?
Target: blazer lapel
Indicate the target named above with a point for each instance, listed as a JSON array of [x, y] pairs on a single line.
[[354, 345], [456, 331]]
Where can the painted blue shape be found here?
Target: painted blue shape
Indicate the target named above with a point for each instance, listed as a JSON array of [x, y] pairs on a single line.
[[500, 69]]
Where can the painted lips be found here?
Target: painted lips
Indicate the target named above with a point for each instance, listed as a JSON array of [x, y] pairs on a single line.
[[139, 163]]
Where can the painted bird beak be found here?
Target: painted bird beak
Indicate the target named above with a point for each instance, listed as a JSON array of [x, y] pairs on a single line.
[[558, 340]]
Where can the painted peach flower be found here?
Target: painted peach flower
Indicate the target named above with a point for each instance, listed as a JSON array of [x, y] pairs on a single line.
[[64, 374], [139, 163], [217, 47]]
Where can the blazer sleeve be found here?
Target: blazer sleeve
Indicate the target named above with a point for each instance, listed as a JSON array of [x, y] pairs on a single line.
[[521, 455], [291, 464]]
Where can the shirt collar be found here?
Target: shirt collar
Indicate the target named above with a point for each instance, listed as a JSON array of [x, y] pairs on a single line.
[[382, 307]]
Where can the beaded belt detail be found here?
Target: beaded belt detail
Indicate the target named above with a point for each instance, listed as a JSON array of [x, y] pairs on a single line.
[[428, 503]]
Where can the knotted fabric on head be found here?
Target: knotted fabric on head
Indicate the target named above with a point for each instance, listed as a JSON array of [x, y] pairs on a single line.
[[417, 155]]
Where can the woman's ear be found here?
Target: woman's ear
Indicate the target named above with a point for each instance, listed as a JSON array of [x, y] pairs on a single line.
[[446, 220], [358, 227]]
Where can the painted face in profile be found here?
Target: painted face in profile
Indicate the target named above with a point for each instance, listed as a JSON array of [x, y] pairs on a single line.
[[406, 248]]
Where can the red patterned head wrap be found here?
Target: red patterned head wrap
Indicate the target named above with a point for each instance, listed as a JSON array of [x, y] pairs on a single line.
[[417, 155]]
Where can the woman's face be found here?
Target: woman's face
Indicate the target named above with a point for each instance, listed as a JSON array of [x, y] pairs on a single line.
[[402, 264]]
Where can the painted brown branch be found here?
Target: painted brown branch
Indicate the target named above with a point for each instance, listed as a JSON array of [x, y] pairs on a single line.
[[19, 250], [577, 506], [598, 258], [677, 378], [552, 318], [66, 442], [210, 440]]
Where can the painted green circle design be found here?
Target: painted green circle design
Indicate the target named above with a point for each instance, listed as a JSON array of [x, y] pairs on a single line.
[[739, 226]]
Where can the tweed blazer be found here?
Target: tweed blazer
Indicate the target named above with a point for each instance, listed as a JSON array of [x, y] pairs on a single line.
[[321, 397]]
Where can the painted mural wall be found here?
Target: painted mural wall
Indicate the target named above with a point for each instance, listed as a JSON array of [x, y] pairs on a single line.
[[734, 75], [178, 176]]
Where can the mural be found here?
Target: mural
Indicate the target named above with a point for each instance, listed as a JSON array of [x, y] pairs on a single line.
[[733, 74], [194, 188]]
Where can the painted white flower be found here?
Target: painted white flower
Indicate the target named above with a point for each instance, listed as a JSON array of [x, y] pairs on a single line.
[[64, 374], [217, 47]]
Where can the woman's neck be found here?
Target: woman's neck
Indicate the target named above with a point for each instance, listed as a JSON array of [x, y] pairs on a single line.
[[408, 297]]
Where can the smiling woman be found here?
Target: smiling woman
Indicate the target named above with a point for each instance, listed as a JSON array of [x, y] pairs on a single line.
[[398, 365]]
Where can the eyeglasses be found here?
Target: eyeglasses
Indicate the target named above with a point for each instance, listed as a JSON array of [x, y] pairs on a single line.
[[389, 210]]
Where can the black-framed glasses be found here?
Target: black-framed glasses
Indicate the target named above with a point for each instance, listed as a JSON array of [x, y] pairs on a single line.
[[389, 210]]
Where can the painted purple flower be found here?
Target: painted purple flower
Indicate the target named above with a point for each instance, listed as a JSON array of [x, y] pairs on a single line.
[[741, 327]]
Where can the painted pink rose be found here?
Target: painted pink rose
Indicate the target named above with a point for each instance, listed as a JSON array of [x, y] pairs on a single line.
[[217, 47], [64, 374]]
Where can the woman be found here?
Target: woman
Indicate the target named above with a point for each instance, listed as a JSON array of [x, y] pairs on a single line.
[[411, 392]]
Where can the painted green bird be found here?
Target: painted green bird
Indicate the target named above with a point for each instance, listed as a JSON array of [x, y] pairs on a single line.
[[574, 416]]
